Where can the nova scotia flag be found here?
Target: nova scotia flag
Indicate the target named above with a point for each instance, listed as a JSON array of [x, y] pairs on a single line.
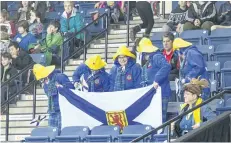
[[122, 108]]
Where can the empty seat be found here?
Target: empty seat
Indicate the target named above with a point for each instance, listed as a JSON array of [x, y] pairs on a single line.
[[86, 6], [206, 50], [46, 134], [226, 75], [39, 58], [103, 134], [160, 137], [73, 134], [133, 131], [213, 68], [157, 38], [228, 102], [49, 16], [222, 110], [220, 36], [222, 53], [194, 36]]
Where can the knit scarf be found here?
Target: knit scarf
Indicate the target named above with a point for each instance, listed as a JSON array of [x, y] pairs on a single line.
[[119, 80], [196, 113], [51, 91], [144, 75], [91, 82]]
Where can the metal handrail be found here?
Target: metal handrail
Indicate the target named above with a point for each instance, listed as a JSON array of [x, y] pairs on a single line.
[[168, 123], [128, 22]]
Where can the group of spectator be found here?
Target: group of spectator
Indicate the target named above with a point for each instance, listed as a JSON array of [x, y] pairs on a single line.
[[199, 15]]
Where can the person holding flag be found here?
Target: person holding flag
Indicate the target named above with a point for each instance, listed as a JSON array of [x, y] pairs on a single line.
[[93, 75], [51, 79], [126, 73], [155, 71], [192, 63]]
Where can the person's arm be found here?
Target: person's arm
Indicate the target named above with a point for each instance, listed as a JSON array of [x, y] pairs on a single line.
[[165, 68], [171, 18], [63, 80], [54, 39], [24, 60], [106, 83], [112, 78], [79, 22], [191, 14], [79, 72], [196, 63], [210, 15], [136, 74]]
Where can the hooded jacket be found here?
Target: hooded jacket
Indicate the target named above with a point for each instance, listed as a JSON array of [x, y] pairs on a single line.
[[194, 66], [72, 24], [131, 78], [100, 80], [225, 19], [204, 12], [158, 70], [25, 41]]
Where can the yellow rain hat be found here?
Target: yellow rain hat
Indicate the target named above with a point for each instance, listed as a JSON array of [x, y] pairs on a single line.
[[123, 50], [179, 43], [95, 62], [41, 72], [146, 46]]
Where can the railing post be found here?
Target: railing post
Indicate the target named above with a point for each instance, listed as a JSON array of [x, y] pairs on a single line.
[[128, 19], [62, 59], [106, 38], [169, 133], [84, 47], [34, 99], [163, 8], [7, 113]]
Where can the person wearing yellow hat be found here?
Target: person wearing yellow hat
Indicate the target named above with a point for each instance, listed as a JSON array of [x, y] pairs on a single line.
[[51, 78], [94, 75], [192, 63], [155, 71], [125, 74], [192, 98]]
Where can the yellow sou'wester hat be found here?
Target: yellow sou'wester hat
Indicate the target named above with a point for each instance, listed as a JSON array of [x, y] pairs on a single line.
[[179, 43], [123, 50], [146, 46], [95, 62], [41, 71]]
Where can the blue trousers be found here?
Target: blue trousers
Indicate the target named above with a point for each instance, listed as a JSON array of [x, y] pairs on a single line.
[[165, 101]]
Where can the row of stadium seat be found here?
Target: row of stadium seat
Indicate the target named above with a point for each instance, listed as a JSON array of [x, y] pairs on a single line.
[[97, 134]]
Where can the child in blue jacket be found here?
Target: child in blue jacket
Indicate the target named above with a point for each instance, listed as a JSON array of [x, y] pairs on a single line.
[[125, 74], [94, 75], [155, 71], [51, 79], [192, 65]]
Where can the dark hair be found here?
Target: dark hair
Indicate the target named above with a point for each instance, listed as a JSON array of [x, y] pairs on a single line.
[[24, 24], [169, 35], [7, 55], [37, 13], [3, 28], [13, 43], [56, 24]]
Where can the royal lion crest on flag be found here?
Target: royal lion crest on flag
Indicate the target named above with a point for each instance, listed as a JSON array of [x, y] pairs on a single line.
[[118, 118]]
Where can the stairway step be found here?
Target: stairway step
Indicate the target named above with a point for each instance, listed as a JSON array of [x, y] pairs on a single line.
[[73, 68], [25, 103], [22, 124], [76, 62], [21, 117], [12, 138], [28, 110], [101, 50], [109, 55], [125, 31], [157, 20], [18, 130], [122, 36], [124, 27], [30, 97], [70, 73], [110, 45]]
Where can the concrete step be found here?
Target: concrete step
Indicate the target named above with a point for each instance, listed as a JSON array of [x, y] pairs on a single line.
[[125, 31], [22, 124], [109, 55], [28, 110], [110, 45], [21, 117], [75, 62], [13, 138], [122, 36], [30, 97], [102, 50], [158, 20], [70, 73], [73, 68], [26, 103], [123, 26], [18, 130]]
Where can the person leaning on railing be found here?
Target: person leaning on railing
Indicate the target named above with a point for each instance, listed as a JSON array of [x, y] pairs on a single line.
[[192, 98]]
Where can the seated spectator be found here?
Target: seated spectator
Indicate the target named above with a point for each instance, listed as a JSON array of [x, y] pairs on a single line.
[[71, 21], [176, 18], [171, 56], [125, 74], [200, 15], [21, 59], [193, 64], [4, 43], [9, 25], [24, 10], [23, 38], [192, 98], [41, 7], [224, 19], [94, 75], [7, 71], [52, 44], [35, 25]]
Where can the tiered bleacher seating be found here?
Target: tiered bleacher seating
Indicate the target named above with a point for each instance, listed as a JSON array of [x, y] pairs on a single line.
[[206, 50], [195, 36], [220, 36], [222, 53], [157, 38]]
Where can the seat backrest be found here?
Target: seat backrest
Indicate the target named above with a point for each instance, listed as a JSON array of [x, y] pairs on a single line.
[[228, 103], [207, 50], [81, 131], [51, 132], [172, 85], [220, 33], [39, 58], [227, 64], [213, 66], [223, 48], [52, 15], [114, 131], [137, 129], [193, 34]]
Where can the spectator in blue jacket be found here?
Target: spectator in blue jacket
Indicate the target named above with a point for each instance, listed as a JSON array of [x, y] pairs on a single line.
[[125, 74], [23, 38], [51, 78], [192, 63], [95, 78], [155, 71]]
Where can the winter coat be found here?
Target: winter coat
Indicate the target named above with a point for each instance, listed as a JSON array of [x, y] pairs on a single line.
[[225, 19], [72, 24], [158, 70], [25, 41], [98, 82], [22, 61], [130, 79]]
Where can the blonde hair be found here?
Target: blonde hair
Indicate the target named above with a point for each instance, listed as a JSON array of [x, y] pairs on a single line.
[[69, 2], [196, 86]]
